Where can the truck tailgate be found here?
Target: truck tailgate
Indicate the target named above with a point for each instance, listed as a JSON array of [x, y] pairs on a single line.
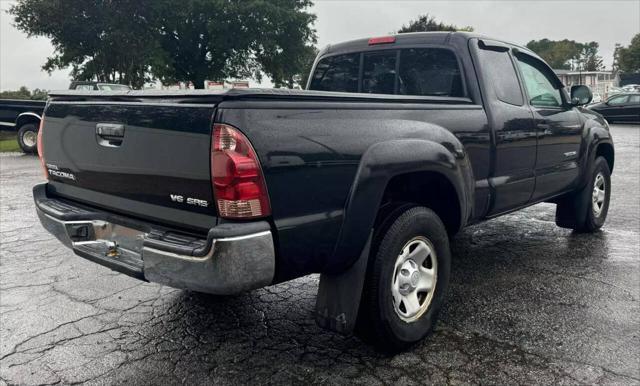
[[150, 160]]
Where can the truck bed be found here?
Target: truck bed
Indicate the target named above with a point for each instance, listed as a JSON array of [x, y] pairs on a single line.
[[309, 144]]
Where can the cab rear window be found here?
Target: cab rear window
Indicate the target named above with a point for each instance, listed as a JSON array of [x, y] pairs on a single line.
[[337, 73], [411, 71]]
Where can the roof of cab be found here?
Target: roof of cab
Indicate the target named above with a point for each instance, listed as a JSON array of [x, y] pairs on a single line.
[[439, 38]]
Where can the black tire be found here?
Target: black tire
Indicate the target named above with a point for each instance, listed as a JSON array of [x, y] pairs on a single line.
[[378, 321], [26, 133], [578, 210]]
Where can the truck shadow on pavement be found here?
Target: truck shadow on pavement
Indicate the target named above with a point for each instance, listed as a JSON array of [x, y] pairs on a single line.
[[510, 286]]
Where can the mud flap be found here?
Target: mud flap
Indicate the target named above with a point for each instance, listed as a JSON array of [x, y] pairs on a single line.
[[339, 295], [571, 211]]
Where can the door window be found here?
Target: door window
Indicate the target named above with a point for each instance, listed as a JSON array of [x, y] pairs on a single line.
[[379, 72], [619, 100], [502, 75], [634, 99], [337, 73], [541, 85]]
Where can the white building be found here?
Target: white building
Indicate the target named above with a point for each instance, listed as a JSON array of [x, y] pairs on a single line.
[[209, 85], [599, 81]]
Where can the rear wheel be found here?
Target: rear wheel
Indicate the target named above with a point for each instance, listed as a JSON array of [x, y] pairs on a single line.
[[586, 210], [406, 281], [28, 138]]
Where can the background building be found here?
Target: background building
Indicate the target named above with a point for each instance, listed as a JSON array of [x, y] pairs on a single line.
[[599, 81], [209, 85]]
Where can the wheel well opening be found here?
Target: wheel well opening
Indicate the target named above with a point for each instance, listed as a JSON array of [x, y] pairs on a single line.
[[606, 150], [429, 189], [27, 119]]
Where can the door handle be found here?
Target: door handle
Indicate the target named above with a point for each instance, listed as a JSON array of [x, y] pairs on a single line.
[[110, 134], [546, 129]]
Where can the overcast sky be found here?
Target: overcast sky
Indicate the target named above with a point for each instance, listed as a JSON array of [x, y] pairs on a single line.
[[607, 22]]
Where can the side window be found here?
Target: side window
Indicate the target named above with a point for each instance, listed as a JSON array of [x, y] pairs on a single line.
[[540, 84], [337, 73], [379, 72], [634, 99], [620, 100], [84, 87], [429, 72], [499, 68]]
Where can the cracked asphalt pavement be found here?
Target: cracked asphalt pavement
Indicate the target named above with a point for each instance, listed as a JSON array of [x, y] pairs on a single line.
[[529, 303]]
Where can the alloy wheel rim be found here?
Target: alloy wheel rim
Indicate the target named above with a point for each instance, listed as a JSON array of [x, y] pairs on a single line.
[[414, 279], [29, 138], [598, 195]]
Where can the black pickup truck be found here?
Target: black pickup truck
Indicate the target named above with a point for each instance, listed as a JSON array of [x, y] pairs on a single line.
[[398, 143], [24, 116]]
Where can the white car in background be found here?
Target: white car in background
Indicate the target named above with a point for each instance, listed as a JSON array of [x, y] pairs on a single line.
[[614, 91], [597, 98], [631, 88]]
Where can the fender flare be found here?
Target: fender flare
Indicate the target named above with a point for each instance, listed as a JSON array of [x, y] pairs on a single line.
[[341, 283], [379, 164], [595, 135], [26, 117]]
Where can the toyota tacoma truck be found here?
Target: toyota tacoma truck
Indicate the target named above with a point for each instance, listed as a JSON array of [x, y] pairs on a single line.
[[397, 143]]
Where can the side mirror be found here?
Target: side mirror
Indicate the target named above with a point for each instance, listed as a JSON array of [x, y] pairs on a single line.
[[580, 95]]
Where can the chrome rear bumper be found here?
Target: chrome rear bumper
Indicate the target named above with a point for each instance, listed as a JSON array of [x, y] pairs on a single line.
[[232, 259]]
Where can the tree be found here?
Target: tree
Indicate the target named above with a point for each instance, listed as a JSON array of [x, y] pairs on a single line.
[[24, 93], [290, 69], [426, 23], [103, 40], [615, 66], [558, 54], [629, 57], [589, 57], [39, 94], [568, 54], [220, 39], [135, 41]]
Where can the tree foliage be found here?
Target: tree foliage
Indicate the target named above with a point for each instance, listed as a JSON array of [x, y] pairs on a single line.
[[568, 54], [135, 41], [629, 57], [557, 54], [219, 39], [589, 59], [24, 93], [103, 40], [426, 23], [290, 69]]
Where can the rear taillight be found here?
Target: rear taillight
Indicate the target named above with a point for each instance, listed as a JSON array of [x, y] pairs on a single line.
[[238, 184], [41, 149]]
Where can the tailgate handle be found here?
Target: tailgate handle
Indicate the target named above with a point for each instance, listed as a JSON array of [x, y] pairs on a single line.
[[110, 134], [110, 130]]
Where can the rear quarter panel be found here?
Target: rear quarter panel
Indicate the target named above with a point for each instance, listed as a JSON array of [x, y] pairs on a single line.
[[310, 154]]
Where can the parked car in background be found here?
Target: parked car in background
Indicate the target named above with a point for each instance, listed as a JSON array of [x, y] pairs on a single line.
[[23, 116], [614, 91], [597, 98], [398, 143], [631, 88], [620, 107]]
